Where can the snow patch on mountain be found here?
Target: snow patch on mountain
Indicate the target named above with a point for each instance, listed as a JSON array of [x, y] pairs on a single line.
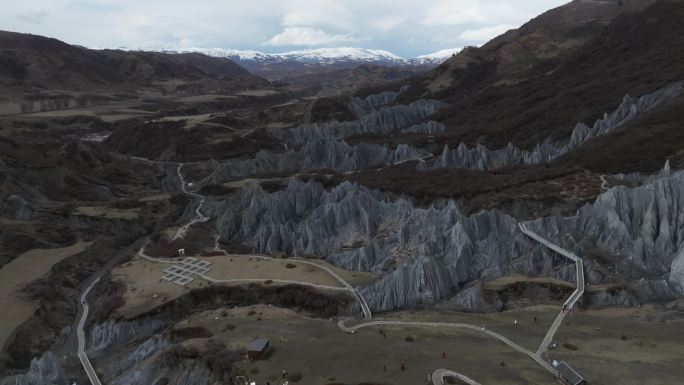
[[437, 57]]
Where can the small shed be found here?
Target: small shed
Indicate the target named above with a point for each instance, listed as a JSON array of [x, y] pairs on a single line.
[[569, 376], [258, 349]]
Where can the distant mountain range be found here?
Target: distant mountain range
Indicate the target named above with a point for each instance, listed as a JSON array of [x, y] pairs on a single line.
[[277, 66], [322, 55]]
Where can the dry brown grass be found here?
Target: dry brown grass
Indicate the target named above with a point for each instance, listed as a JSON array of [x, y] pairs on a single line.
[[146, 290], [24, 269]]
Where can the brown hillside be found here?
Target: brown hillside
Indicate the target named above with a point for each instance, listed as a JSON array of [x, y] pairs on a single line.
[[30, 63]]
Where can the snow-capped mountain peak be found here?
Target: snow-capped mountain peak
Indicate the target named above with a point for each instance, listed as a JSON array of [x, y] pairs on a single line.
[[319, 55], [342, 54]]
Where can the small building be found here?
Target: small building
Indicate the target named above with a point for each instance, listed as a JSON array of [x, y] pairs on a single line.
[[258, 349], [569, 376]]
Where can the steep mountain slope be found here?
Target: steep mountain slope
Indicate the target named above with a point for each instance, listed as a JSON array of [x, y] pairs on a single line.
[[532, 49], [31, 63], [342, 81], [630, 49]]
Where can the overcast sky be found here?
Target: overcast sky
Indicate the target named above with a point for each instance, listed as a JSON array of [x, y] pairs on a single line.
[[407, 28]]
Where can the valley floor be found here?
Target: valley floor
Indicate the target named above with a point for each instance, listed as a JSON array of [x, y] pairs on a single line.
[[611, 346]]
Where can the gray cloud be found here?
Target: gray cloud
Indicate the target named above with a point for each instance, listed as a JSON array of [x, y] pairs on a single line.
[[33, 17], [405, 27], [307, 36]]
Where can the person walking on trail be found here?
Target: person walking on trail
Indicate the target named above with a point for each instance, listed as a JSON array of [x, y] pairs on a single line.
[[403, 366], [284, 373], [444, 355]]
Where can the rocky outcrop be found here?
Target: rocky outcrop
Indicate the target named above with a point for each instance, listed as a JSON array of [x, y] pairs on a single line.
[[110, 333], [45, 370], [641, 230], [148, 374], [429, 127], [16, 208], [383, 121], [114, 368], [321, 146], [194, 375], [314, 155], [364, 106], [153, 373], [483, 158], [422, 255]]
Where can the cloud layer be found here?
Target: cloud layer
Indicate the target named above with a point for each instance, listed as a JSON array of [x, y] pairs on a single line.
[[306, 36], [406, 27]]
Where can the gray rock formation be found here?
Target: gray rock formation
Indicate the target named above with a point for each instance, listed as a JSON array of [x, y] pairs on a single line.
[[383, 121], [421, 254], [194, 375], [45, 370], [482, 158], [425, 254], [640, 229], [429, 127], [114, 368], [364, 106], [110, 333], [16, 208], [148, 374], [320, 145], [151, 373], [314, 155]]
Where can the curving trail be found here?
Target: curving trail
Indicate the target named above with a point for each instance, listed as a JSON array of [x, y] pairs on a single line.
[[347, 286], [570, 303], [352, 329], [199, 217], [141, 254], [80, 333], [439, 374], [262, 280], [604, 182]]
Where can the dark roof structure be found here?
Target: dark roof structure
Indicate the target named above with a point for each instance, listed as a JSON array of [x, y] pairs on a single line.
[[258, 345], [570, 374]]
